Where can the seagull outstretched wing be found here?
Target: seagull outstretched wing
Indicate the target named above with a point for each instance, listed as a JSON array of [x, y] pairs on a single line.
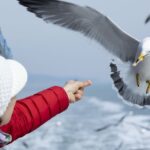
[[87, 21], [5, 51], [125, 92]]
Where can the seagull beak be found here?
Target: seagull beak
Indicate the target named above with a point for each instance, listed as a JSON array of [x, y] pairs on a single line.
[[140, 58]]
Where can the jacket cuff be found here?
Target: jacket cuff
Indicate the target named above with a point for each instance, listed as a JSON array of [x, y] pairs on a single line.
[[61, 96]]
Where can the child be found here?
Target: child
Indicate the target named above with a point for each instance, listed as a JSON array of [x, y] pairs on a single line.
[[18, 118]]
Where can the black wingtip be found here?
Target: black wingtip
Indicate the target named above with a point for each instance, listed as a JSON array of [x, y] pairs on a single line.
[[34, 2], [37, 2]]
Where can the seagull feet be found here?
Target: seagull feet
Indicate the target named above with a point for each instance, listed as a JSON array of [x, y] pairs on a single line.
[[138, 83], [148, 87], [138, 80]]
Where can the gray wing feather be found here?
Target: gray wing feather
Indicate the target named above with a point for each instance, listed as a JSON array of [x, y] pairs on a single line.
[[124, 91], [87, 21], [5, 51]]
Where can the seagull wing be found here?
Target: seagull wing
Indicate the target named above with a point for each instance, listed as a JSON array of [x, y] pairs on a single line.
[[5, 51], [87, 21], [125, 91]]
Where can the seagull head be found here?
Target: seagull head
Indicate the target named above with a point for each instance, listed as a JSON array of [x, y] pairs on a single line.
[[143, 51]]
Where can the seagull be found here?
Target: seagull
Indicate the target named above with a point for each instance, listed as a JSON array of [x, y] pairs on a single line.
[[95, 25], [147, 19]]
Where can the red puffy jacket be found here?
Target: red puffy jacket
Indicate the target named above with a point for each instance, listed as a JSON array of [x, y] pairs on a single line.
[[31, 112]]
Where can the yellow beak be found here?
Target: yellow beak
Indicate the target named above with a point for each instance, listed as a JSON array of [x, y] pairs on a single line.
[[140, 58]]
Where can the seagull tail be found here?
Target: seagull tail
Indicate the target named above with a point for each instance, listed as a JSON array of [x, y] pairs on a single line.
[[124, 92]]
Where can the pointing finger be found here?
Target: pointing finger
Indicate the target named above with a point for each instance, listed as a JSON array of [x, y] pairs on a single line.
[[86, 83]]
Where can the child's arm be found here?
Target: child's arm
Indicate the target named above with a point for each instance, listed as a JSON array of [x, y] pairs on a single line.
[[31, 112]]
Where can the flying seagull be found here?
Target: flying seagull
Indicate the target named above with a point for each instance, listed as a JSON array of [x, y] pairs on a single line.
[[147, 19], [95, 25]]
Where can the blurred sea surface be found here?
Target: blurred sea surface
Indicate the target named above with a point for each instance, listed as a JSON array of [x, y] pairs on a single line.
[[101, 121]]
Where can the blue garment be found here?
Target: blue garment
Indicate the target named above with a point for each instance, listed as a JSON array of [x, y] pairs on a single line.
[[5, 51], [4, 138]]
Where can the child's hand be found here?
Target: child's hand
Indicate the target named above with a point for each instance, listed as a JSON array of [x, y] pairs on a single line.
[[75, 89]]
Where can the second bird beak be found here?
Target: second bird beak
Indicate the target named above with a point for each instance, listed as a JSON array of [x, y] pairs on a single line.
[[140, 58]]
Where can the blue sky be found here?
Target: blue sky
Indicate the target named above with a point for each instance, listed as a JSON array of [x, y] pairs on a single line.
[[51, 50]]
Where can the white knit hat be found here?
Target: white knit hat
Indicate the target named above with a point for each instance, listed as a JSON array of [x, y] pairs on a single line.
[[13, 77]]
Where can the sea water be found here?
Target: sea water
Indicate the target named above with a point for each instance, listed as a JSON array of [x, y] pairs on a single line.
[[101, 121]]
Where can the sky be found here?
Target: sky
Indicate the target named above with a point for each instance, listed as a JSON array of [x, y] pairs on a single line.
[[47, 49]]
